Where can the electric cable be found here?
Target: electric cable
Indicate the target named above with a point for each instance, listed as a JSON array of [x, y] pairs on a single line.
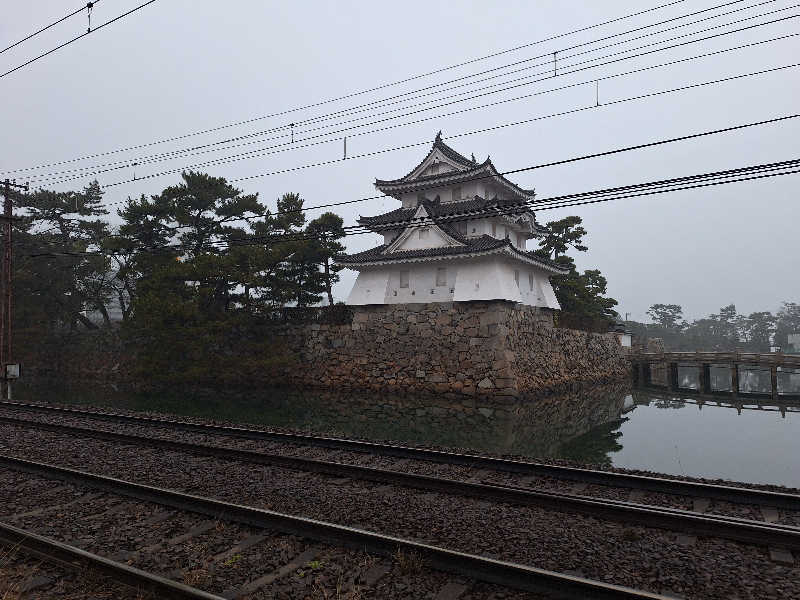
[[75, 39], [87, 6], [365, 91], [292, 145], [477, 131], [555, 202]]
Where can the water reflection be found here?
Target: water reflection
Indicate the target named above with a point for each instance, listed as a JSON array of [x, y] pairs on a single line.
[[602, 425], [753, 379]]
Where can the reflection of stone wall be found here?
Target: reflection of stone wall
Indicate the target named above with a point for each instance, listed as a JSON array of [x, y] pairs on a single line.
[[487, 349], [537, 429]]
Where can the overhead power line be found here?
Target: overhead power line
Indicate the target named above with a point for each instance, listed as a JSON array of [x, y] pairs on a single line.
[[87, 6], [549, 62], [604, 195], [588, 107], [292, 144], [363, 91], [75, 39], [736, 175], [567, 68], [691, 136]]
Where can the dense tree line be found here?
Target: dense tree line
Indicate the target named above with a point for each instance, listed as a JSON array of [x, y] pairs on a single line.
[[726, 330], [192, 270]]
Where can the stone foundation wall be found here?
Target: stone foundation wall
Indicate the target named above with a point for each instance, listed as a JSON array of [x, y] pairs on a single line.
[[488, 349]]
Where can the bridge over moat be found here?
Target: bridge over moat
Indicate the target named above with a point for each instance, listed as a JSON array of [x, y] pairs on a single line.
[[661, 368]]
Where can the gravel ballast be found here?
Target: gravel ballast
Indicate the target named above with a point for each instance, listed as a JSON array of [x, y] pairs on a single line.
[[638, 557]]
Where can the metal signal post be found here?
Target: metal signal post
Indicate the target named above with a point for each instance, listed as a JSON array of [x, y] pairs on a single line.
[[10, 370]]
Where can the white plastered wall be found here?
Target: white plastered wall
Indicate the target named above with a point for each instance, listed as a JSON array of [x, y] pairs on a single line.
[[488, 278], [370, 287]]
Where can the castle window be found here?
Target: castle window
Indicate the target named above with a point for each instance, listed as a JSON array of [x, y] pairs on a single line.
[[457, 193], [530, 281], [403, 279], [516, 277], [461, 227], [441, 277], [494, 229]]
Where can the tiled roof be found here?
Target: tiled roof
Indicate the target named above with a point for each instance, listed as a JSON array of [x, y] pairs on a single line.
[[485, 170], [437, 209], [446, 150], [450, 153], [484, 243]]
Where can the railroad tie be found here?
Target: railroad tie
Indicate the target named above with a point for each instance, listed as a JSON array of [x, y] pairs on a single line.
[[130, 556], [781, 556], [194, 531], [451, 591], [297, 562], [33, 583], [769, 514], [111, 511], [579, 488], [636, 495], [157, 517], [239, 547], [53, 507], [478, 476]]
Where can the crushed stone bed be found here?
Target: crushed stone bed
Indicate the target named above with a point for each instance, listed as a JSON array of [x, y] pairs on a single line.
[[220, 557], [638, 557], [422, 467]]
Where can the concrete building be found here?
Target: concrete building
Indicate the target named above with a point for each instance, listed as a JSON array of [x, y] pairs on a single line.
[[461, 234]]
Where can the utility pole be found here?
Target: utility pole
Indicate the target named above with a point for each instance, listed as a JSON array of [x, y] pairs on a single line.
[[10, 370]]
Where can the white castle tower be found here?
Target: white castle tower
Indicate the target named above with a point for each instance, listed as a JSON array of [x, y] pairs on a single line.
[[460, 235]]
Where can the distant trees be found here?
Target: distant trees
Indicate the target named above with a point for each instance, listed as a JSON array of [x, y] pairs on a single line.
[[723, 331], [787, 321], [668, 316]]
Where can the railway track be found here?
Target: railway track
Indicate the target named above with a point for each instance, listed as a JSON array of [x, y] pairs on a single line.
[[722, 526], [116, 507], [641, 483], [334, 492], [73, 558]]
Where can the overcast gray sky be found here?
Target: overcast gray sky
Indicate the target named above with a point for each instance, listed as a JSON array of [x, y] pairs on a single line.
[[181, 66]]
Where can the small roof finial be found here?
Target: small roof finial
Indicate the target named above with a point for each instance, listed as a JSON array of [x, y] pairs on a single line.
[[438, 136]]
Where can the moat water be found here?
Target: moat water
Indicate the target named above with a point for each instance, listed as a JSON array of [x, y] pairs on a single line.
[[754, 440]]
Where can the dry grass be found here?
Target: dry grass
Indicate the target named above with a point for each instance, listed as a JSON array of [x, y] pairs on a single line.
[[409, 563]]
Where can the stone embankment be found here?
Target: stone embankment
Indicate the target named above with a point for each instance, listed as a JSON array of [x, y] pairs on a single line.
[[488, 349]]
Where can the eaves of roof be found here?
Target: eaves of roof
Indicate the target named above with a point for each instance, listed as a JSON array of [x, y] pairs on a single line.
[[485, 170], [475, 207], [480, 246]]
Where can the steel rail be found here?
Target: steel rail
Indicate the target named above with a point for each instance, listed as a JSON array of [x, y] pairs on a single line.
[[725, 493], [53, 551], [500, 572], [673, 519]]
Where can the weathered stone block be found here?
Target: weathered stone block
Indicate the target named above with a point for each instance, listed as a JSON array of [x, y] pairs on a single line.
[[485, 383]]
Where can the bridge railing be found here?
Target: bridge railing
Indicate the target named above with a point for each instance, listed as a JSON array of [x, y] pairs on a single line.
[[744, 358]]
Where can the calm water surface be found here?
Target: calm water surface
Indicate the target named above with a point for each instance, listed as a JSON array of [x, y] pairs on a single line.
[[617, 426]]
